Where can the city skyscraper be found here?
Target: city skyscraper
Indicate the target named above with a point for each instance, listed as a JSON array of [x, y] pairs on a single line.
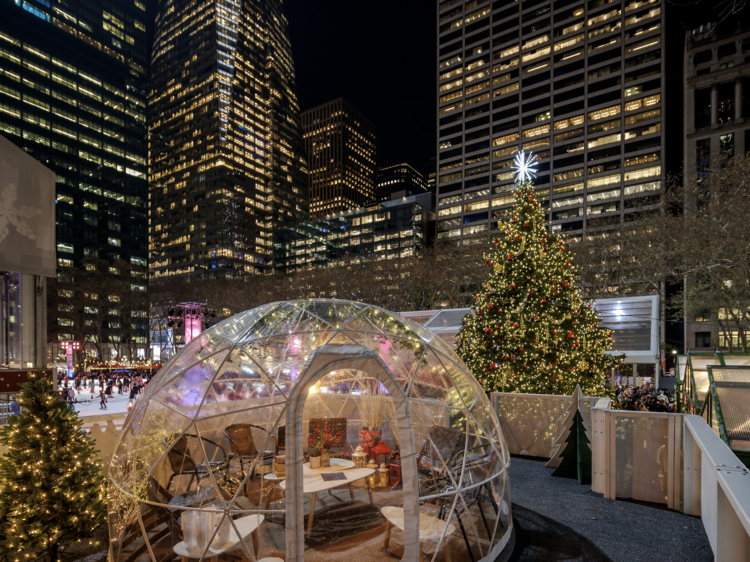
[[581, 84], [398, 178], [227, 165], [340, 143], [73, 95]]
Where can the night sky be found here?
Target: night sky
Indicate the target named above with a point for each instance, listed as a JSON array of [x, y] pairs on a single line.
[[381, 57]]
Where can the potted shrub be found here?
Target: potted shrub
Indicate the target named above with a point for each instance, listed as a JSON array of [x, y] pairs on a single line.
[[322, 440], [315, 458]]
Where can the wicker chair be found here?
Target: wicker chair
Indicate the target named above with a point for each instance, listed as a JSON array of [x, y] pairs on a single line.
[[335, 425], [182, 461], [449, 443], [241, 444]]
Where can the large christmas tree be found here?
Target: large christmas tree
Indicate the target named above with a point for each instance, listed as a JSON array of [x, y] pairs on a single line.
[[52, 486], [531, 331]]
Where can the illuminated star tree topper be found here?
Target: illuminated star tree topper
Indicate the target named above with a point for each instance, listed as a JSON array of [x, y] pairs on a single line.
[[524, 167]]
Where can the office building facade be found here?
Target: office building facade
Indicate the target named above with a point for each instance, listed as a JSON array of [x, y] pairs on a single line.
[[227, 165], [578, 83], [73, 96], [383, 231], [717, 124], [340, 143], [717, 109], [399, 178]]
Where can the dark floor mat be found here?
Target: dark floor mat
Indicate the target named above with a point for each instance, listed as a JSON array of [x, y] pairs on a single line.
[[541, 539], [332, 527]]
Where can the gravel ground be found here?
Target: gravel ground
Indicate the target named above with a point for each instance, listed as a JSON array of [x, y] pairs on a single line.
[[623, 531]]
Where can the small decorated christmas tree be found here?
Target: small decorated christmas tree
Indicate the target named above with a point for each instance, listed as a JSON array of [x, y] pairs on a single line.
[[531, 331], [53, 490]]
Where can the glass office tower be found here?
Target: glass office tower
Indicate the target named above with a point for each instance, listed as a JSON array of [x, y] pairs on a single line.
[[579, 83], [227, 165], [73, 81]]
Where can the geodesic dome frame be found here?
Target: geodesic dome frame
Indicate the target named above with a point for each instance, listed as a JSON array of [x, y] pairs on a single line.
[[259, 367]]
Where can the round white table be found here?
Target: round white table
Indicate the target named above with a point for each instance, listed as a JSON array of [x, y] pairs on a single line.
[[247, 525], [314, 483], [337, 465]]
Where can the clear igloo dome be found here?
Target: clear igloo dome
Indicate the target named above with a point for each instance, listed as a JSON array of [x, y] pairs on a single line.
[[316, 430]]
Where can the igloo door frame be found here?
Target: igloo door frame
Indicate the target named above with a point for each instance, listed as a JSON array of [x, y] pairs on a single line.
[[323, 360]]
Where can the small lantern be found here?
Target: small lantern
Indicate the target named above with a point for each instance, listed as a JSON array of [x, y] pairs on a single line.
[[382, 453], [359, 457], [383, 473], [395, 472], [374, 475]]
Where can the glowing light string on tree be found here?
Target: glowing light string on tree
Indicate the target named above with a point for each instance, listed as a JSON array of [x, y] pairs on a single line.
[[530, 330]]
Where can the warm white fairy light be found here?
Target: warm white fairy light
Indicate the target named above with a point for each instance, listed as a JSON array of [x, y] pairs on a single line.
[[524, 167]]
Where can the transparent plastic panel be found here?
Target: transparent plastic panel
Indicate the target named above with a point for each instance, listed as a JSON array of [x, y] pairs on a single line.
[[490, 511], [133, 464], [440, 444], [158, 379], [191, 467], [421, 332], [131, 542], [196, 351], [641, 465], [340, 339], [487, 422], [282, 358], [240, 384], [431, 382], [471, 522], [501, 494], [438, 531], [162, 427], [467, 386], [733, 391], [400, 356], [240, 453], [398, 326], [185, 392], [334, 313], [235, 327], [701, 385], [482, 459], [161, 523], [282, 319], [443, 347]]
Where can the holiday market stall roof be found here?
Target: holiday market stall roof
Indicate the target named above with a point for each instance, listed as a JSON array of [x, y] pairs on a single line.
[[270, 372]]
